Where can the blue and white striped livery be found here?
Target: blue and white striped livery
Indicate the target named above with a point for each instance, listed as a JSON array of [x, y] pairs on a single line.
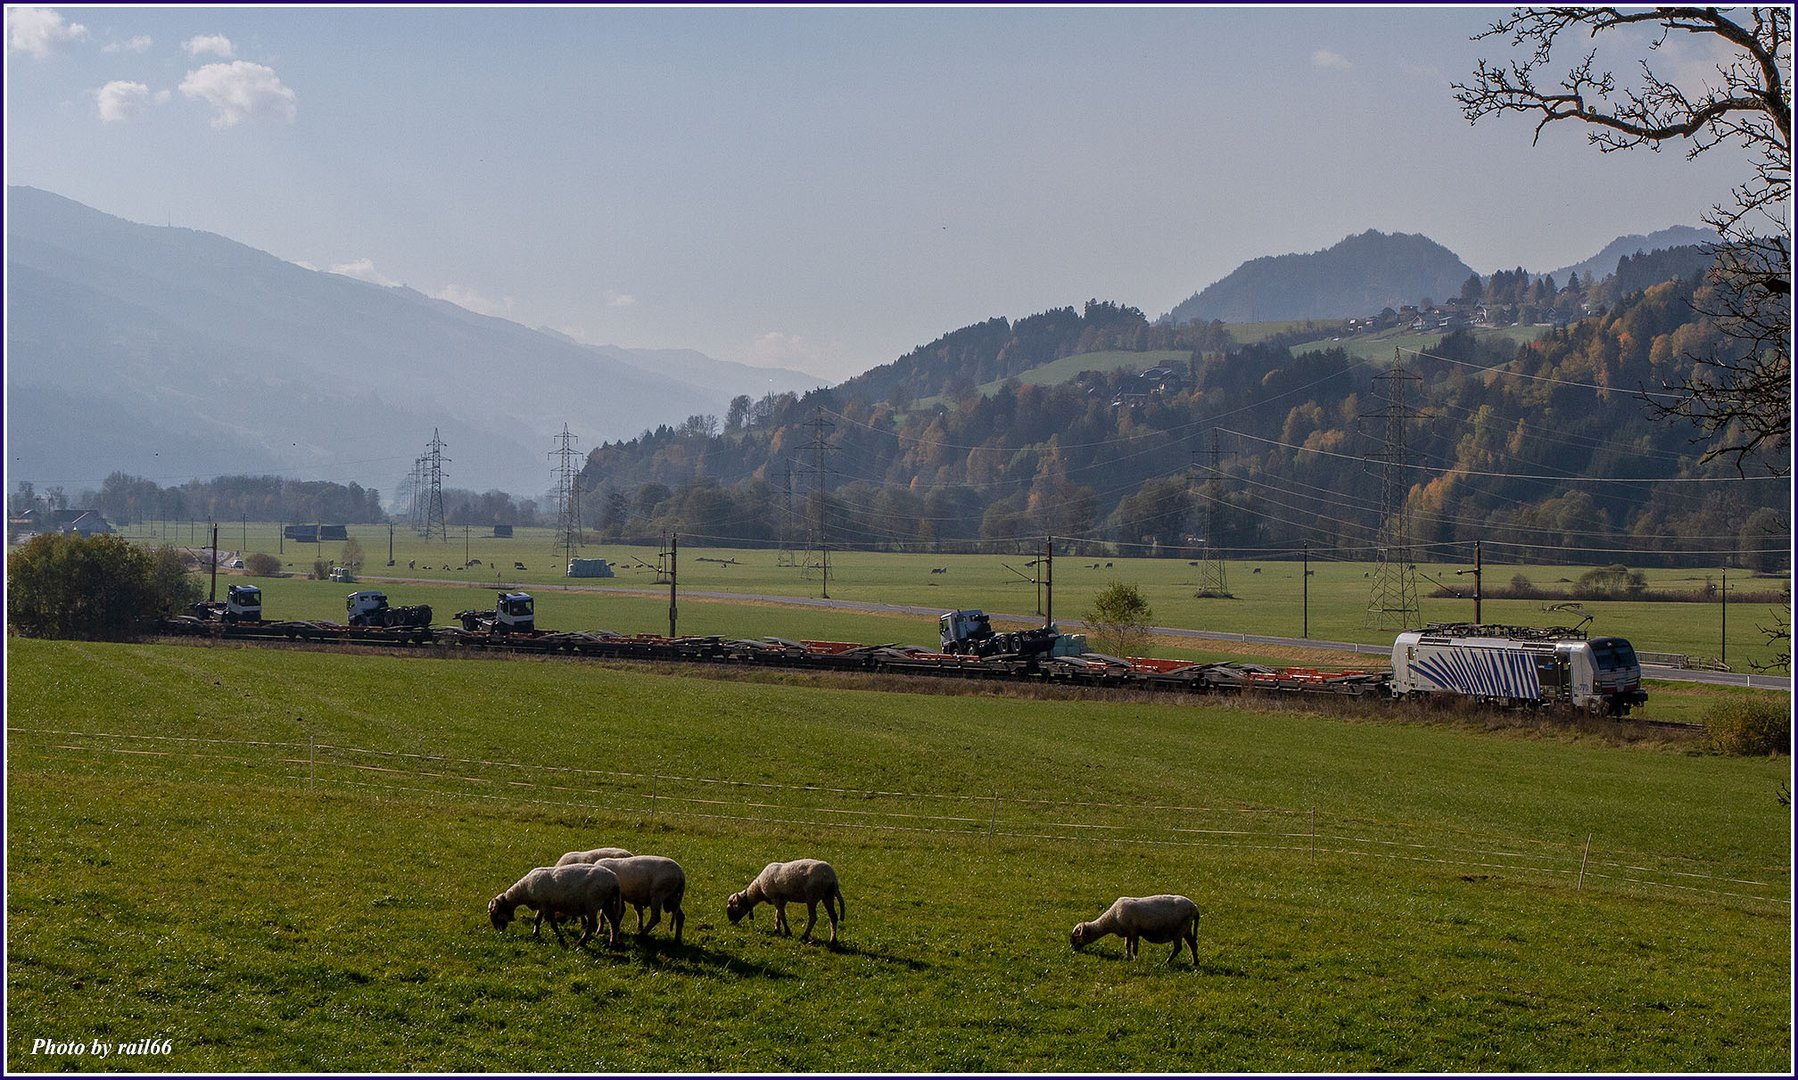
[[1497, 664]]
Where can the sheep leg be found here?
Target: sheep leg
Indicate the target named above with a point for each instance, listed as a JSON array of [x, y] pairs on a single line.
[[679, 919], [655, 916], [1129, 946], [781, 925], [556, 925], [830, 908], [811, 920], [639, 908], [589, 924]]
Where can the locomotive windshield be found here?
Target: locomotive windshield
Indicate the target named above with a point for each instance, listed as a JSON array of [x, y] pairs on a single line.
[[1613, 654]]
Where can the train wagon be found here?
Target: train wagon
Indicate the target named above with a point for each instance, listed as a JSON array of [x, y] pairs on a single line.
[[1517, 666]]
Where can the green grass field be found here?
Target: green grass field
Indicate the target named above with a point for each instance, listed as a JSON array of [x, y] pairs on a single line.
[[279, 860], [1380, 346], [1272, 601]]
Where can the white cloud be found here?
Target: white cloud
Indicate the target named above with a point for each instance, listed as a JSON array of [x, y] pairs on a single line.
[[363, 270], [464, 297], [1334, 61], [39, 31], [618, 299], [240, 91], [119, 101], [209, 44], [138, 44]]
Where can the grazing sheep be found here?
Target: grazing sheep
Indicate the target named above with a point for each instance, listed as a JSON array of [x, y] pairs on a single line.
[[802, 881], [589, 892], [654, 882], [593, 856], [1158, 919]]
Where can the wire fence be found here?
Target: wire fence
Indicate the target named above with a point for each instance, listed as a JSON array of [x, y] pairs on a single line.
[[658, 797]]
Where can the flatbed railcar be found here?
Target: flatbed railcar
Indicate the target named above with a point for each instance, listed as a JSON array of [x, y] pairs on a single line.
[[1502, 666]]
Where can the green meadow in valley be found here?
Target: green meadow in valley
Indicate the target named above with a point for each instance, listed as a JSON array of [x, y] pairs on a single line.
[[279, 859]]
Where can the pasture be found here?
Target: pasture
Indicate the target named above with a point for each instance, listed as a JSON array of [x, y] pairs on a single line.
[[279, 860], [1269, 597]]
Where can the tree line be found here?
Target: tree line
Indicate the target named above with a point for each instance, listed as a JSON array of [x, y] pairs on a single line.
[[1547, 450]]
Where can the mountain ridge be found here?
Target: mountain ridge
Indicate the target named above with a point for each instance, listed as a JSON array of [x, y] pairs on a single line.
[[157, 334]]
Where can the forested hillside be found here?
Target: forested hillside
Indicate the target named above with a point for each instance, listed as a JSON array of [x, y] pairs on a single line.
[[1543, 451]]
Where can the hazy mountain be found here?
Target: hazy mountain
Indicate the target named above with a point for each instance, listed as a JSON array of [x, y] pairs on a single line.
[[172, 354], [716, 377], [1358, 276], [1604, 264]]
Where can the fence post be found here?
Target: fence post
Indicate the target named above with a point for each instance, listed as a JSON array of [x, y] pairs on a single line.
[[1314, 834], [1582, 864], [311, 761], [655, 780], [993, 821]]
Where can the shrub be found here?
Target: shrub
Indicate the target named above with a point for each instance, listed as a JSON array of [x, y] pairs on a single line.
[[261, 564], [1743, 727], [93, 588], [1119, 619], [321, 569]]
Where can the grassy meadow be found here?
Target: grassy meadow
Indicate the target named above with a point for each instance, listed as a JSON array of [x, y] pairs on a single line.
[[279, 860], [1269, 596]]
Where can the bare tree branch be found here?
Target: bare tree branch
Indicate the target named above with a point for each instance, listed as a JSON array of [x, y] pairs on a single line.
[[1740, 396]]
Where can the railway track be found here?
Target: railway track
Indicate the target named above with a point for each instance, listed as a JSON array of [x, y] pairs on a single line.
[[1088, 671]]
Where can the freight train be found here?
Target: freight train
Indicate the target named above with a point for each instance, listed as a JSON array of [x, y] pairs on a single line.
[[1504, 666]]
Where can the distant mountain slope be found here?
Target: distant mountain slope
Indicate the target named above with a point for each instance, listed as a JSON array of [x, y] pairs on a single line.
[[1358, 276], [172, 353], [1604, 264]]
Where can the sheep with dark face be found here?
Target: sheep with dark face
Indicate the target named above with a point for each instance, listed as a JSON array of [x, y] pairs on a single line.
[[802, 881], [588, 892], [1157, 919]]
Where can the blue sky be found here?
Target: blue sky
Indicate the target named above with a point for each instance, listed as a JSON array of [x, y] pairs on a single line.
[[818, 188]]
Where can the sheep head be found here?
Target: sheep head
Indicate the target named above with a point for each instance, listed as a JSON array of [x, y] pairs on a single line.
[[1082, 934], [736, 907], [500, 912]]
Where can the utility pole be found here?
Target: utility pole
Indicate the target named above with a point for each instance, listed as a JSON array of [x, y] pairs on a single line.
[[567, 496], [1049, 572], [213, 594], [434, 516], [1476, 583], [819, 497], [1723, 641], [1305, 584], [1212, 581], [390, 543], [672, 555], [1394, 594]]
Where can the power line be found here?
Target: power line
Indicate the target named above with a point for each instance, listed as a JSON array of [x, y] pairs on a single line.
[[1440, 469]]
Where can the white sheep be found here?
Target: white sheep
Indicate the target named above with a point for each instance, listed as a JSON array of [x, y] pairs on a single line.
[[802, 881], [586, 891], [1158, 919], [651, 881], [593, 856]]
